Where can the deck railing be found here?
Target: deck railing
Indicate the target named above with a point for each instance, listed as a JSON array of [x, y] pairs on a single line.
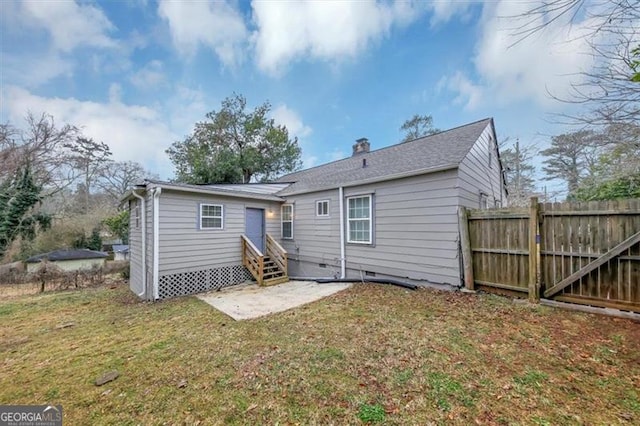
[[252, 259], [277, 253]]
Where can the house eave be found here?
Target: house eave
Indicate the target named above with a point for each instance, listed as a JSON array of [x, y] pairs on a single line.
[[207, 191]]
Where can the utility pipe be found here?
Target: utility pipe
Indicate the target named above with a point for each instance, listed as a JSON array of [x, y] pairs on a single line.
[[343, 260], [372, 280], [156, 240], [144, 243]]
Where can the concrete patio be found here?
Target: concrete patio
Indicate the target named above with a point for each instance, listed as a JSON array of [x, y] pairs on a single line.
[[248, 301]]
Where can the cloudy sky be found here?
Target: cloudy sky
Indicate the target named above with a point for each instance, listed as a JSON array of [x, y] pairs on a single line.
[[138, 74]]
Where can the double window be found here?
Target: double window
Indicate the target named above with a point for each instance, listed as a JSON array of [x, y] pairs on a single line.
[[322, 208], [359, 222], [211, 216], [286, 219]]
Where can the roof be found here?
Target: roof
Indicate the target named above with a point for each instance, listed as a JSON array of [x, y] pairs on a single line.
[[441, 151], [71, 254], [120, 248], [253, 191], [254, 188]]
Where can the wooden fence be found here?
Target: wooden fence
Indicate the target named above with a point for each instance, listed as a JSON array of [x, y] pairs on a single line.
[[578, 252]]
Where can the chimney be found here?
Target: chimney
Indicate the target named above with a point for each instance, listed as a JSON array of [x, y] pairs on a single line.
[[361, 146]]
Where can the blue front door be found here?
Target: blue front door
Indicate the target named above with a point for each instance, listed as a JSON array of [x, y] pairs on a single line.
[[255, 227]]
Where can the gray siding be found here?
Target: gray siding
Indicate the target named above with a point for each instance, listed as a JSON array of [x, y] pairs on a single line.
[[415, 231], [135, 249], [476, 175], [185, 248], [315, 239]]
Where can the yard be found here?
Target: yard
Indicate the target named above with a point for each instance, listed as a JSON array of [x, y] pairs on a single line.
[[371, 353]]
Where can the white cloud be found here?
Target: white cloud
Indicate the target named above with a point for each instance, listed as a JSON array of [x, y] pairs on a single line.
[[132, 132], [287, 117], [546, 62], [151, 76], [28, 69], [53, 32], [185, 108], [443, 11], [115, 93], [216, 25], [329, 31], [470, 95], [70, 24]]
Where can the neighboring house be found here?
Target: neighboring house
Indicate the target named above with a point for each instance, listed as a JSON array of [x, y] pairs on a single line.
[[68, 260], [391, 212], [120, 251]]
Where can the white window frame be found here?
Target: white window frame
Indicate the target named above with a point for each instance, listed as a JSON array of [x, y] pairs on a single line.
[[282, 221], [484, 201], [202, 216], [351, 220], [136, 213], [318, 204]]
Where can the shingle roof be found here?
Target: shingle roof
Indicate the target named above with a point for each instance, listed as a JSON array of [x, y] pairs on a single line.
[[253, 188], [231, 190], [431, 153], [72, 254]]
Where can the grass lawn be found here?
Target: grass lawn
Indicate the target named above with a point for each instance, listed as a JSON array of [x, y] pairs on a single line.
[[369, 354]]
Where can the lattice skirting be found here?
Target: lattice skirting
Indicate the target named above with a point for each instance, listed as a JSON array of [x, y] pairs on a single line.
[[201, 281]]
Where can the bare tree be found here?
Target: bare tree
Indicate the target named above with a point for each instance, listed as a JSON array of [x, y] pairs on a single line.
[[89, 159], [117, 177], [39, 145], [611, 89], [519, 172]]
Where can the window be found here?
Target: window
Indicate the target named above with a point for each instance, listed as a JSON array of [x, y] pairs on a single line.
[[211, 216], [286, 218], [136, 213], [322, 208], [359, 219], [484, 201]]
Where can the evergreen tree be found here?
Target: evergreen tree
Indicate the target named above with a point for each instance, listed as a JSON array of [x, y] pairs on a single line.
[[95, 240], [119, 225], [18, 196]]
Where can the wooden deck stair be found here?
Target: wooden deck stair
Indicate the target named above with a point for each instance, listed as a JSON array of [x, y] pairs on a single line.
[[269, 268]]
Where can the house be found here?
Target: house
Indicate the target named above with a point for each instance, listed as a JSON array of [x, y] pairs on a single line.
[[120, 251], [386, 213], [68, 260]]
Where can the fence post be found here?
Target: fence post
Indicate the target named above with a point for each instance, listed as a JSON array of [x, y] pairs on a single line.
[[534, 289], [465, 246]]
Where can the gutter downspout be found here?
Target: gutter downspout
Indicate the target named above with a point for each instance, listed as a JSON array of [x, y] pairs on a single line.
[[343, 260], [156, 240], [144, 243]]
